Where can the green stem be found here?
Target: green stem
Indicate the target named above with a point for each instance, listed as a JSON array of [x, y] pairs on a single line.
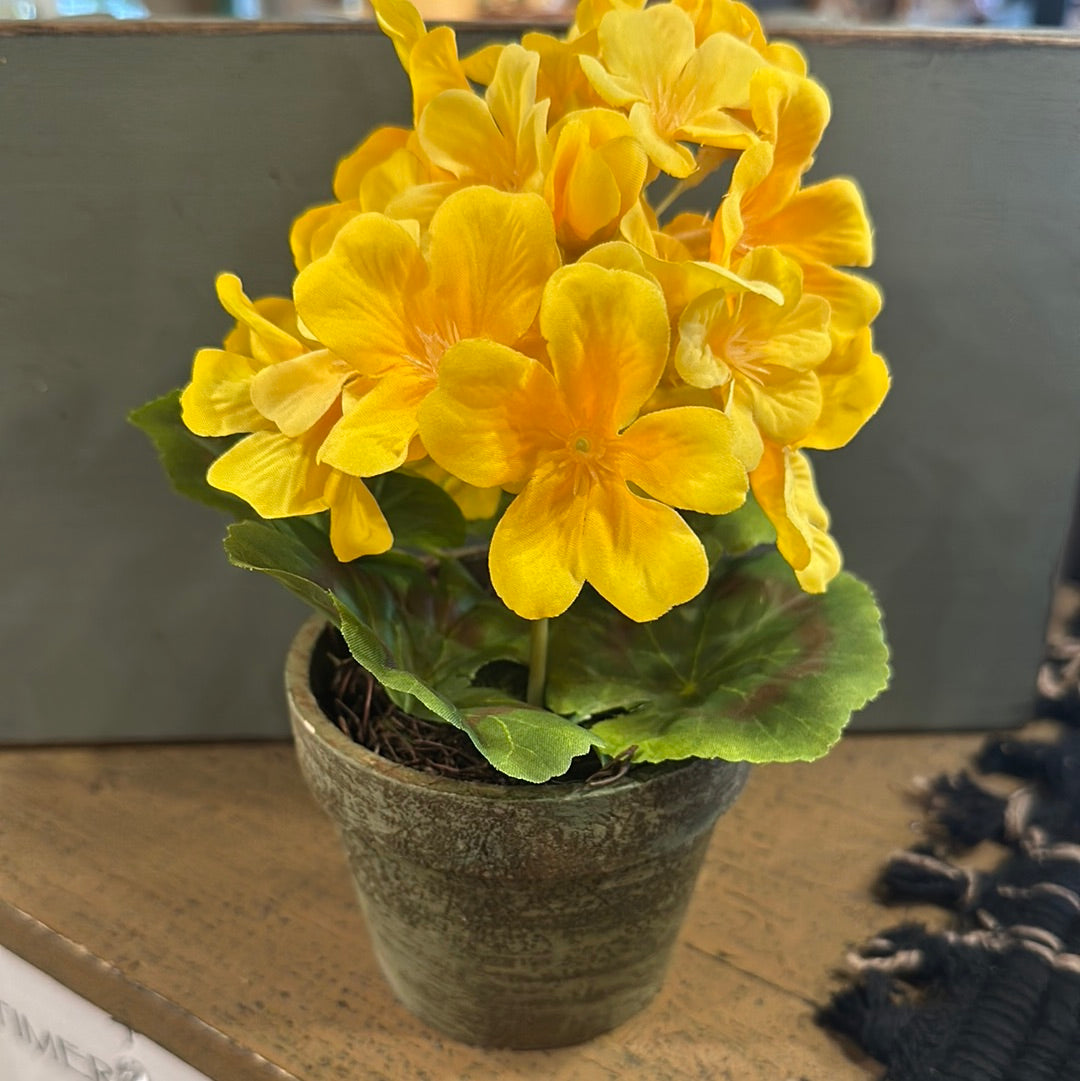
[[538, 655]]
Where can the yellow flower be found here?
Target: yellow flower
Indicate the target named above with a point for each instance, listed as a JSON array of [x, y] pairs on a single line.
[[675, 89], [596, 175], [569, 440], [285, 391], [391, 308], [760, 355], [822, 227], [500, 139]]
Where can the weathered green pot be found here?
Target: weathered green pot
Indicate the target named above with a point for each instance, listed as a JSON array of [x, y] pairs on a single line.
[[513, 916]]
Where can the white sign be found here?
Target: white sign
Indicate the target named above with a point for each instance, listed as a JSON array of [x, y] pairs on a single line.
[[48, 1033]]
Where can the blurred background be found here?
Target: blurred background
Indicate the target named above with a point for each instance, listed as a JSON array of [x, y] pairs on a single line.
[[1008, 14]]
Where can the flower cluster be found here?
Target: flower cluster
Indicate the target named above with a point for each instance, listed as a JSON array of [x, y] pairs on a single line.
[[508, 298]]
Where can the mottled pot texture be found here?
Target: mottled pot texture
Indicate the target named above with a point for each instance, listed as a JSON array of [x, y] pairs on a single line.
[[513, 916]]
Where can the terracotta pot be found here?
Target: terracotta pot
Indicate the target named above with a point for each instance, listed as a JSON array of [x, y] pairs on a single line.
[[513, 916]]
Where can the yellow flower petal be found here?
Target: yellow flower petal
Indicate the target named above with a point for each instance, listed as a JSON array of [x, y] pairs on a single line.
[[663, 150], [717, 77], [269, 343], [279, 310], [458, 134], [278, 476], [353, 298], [401, 23], [651, 46], [854, 383], [217, 401], [296, 393], [535, 548], [854, 302], [434, 67], [560, 78], [357, 525], [826, 223], [596, 175], [314, 231], [791, 113], [491, 254], [607, 333], [493, 412], [784, 409], [373, 436], [377, 148], [639, 554], [783, 485], [684, 458]]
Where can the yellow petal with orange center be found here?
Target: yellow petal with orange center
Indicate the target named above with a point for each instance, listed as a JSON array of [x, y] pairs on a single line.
[[374, 434], [493, 413], [217, 401], [536, 547], [684, 458], [491, 254], [607, 333], [296, 393], [278, 476], [353, 299], [638, 554], [357, 525]]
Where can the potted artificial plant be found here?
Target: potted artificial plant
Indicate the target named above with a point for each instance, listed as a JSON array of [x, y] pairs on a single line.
[[531, 438]]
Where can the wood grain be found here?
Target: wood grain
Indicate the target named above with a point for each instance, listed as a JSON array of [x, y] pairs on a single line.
[[198, 894]]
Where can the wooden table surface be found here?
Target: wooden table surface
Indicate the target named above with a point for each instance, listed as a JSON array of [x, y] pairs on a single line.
[[198, 894]]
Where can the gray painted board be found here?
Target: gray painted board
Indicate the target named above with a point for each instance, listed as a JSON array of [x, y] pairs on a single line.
[[138, 162]]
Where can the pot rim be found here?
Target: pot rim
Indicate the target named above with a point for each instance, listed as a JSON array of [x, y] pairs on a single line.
[[306, 711]]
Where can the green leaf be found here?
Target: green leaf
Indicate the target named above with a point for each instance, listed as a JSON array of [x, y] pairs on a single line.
[[530, 744], [259, 546], [420, 514], [184, 455], [372, 653], [752, 670]]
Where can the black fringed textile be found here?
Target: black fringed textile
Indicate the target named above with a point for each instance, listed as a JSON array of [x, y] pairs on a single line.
[[996, 997]]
